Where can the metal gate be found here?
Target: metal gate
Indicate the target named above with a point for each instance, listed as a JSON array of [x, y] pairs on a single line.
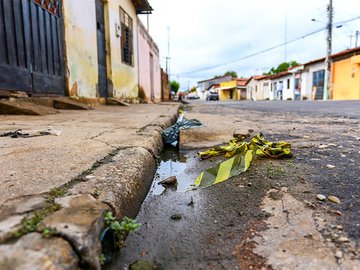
[[31, 53]]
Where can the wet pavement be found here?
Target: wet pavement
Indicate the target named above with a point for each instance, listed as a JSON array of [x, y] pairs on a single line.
[[235, 224]]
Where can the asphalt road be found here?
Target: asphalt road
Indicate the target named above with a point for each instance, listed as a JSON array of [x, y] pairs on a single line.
[[333, 108], [234, 224]]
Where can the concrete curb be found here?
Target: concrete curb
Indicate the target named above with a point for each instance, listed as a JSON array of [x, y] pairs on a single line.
[[119, 182]]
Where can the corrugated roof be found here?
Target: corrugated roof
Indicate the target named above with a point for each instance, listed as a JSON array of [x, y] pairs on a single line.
[[242, 81], [280, 74], [214, 78], [142, 6]]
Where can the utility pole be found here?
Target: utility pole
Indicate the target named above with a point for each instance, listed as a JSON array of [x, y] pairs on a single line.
[[356, 38], [168, 57], [285, 34], [327, 86]]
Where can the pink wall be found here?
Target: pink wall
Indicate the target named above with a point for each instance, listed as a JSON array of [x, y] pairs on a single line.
[[146, 47]]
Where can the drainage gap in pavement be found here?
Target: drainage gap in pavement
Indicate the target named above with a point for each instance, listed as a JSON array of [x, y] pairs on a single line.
[[172, 163]]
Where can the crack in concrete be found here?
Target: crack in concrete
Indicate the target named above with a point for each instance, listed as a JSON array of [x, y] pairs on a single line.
[[286, 212], [106, 143], [101, 133]]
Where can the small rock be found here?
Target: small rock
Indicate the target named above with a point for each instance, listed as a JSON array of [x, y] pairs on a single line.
[[343, 239], [249, 184], [339, 227], [89, 177], [191, 203], [334, 199], [176, 216], [330, 166], [309, 204], [338, 213], [338, 254], [323, 146], [170, 181], [343, 156], [321, 197], [306, 137], [143, 265]]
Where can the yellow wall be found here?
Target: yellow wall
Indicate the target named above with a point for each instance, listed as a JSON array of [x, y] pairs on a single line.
[[346, 79], [81, 47], [225, 94], [124, 78]]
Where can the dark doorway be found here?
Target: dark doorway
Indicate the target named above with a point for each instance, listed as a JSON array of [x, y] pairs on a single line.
[[101, 45], [31, 54]]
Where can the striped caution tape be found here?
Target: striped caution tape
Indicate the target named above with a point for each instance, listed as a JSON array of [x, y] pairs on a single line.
[[240, 154]]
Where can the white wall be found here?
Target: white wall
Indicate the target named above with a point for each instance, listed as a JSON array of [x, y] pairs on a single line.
[[307, 78]]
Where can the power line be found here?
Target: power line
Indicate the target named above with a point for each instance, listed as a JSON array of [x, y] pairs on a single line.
[[266, 50], [255, 54]]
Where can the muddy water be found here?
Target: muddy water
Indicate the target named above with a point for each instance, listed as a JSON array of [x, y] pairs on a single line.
[[172, 163], [209, 221]]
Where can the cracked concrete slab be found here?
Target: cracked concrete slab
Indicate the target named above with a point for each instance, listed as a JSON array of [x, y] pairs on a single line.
[[35, 165], [104, 159], [35, 252], [292, 239]]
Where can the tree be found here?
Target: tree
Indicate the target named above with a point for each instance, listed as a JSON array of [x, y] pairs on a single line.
[[282, 67], [174, 86], [231, 73], [193, 89], [227, 73]]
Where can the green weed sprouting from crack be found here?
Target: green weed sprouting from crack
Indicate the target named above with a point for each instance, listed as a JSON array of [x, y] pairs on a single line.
[[29, 225], [102, 259], [119, 229], [55, 193], [48, 232], [274, 172]]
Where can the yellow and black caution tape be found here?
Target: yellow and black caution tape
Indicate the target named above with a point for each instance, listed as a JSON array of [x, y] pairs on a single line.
[[240, 154]]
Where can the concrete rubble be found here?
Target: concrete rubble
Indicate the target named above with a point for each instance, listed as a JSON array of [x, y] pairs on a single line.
[[104, 160]]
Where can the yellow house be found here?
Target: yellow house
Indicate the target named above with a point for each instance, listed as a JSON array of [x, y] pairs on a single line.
[[101, 47], [227, 90], [346, 75]]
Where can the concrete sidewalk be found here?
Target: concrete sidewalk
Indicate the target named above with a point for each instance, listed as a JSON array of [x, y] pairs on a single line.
[[104, 159]]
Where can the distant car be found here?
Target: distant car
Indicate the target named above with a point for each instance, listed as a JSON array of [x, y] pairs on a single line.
[[212, 96], [192, 96]]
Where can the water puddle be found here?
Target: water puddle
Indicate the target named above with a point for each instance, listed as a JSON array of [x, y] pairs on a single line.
[[172, 163]]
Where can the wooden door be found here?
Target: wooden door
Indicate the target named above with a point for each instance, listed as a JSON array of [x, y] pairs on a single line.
[[101, 46]]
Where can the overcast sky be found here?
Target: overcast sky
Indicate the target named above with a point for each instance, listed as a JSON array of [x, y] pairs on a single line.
[[219, 33]]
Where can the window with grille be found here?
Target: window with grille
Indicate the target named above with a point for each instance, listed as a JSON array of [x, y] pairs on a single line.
[[127, 48]]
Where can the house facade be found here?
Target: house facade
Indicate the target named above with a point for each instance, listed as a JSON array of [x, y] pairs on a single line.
[[282, 86], [346, 75], [76, 48], [149, 66], [254, 87], [228, 90], [204, 85], [110, 69], [241, 88]]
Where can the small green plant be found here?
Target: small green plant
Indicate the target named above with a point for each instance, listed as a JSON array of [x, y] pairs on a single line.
[[48, 231], [274, 172], [29, 225], [120, 229], [55, 193], [102, 259]]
